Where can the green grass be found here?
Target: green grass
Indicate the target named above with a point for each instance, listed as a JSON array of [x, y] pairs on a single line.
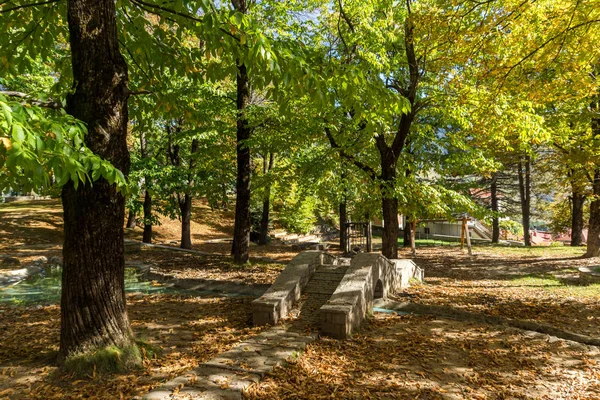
[[111, 359], [429, 242], [597, 269], [536, 251], [549, 282]]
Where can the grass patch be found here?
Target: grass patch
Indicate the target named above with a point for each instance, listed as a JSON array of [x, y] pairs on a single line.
[[430, 242], [597, 269], [549, 282], [110, 359], [535, 251]]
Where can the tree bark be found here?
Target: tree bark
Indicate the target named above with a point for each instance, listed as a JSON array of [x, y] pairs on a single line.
[[593, 241], [494, 200], [389, 202], [93, 311], [343, 221], [407, 238], [241, 229], [525, 193], [578, 200], [185, 208], [147, 237], [184, 200], [263, 237], [131, 219]]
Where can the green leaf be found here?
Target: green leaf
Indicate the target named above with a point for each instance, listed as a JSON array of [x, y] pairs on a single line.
[[18, 134]]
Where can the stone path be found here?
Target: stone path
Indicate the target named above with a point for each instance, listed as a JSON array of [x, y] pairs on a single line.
[[229, 373]]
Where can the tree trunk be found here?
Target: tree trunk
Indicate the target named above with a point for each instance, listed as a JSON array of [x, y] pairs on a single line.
[[406, 234], [390, 227], [389, 206], [147, 238], [185, 207], [578, 200], [525, 193], [131, 219], [343, 221], [495, 219], [263, 238], [241, 229], [93, 311], [593, 241]]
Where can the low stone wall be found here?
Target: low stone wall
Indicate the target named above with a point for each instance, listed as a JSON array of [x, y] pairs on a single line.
[[11, 199], [587, 276], [407, 270], [368, 274], [279, 299]]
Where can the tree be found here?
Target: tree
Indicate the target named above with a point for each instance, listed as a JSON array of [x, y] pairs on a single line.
[[93, 294]]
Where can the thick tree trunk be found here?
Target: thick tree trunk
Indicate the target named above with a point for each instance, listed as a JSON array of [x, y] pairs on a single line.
[[241, 230], [263, 237], [525, 193], [147, 238], [131, 219], [593, 241], [389, 206], [390, 228], [390, 222], [578, 200], [185, 207], [93, 312], [495, 219]]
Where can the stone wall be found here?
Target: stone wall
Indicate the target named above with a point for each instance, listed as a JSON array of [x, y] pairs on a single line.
[[587, 276], [279, 299], [407, 270], [353, 299]]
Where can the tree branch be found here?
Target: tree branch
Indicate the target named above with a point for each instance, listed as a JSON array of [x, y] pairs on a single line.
[[40, 3], [53, 104], [370, 171], [140, 3]]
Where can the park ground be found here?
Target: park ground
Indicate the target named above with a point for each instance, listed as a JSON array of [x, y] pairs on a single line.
[[394, 356]]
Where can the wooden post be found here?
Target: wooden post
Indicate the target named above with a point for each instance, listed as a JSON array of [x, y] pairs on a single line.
[[413, 227], [468, 236], [370, 237]]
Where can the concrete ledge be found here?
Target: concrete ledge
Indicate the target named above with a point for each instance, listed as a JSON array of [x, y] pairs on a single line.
[[406, 270], [587, 276], [353, 299], [279, 299]]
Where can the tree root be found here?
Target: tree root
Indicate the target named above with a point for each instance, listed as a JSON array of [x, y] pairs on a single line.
[[461, 315]]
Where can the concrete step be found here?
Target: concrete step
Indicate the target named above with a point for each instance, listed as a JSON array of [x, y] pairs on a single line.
[[328, 276], [332, 268]]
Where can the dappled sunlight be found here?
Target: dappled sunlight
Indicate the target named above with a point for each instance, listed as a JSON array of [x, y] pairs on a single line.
[[184, 330], [403, 357]]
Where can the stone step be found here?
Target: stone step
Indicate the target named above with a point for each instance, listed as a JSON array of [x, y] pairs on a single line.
[[332, 268], [325, 288]]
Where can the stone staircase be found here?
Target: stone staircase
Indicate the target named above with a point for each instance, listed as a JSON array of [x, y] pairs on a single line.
[[317, 292]]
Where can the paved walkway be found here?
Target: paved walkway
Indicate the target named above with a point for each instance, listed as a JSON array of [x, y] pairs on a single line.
[[229, 373]]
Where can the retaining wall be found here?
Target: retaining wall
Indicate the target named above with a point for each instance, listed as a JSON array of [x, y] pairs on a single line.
[[353, 298], [279, 299]]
